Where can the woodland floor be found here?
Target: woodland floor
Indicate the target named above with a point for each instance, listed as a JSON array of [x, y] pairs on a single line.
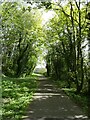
[[50, 103]]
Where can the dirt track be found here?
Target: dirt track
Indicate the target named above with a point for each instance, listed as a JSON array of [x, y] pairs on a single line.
[[52, 104]]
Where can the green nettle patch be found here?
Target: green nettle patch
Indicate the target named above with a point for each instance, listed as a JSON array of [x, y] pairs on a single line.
[[17, 94]]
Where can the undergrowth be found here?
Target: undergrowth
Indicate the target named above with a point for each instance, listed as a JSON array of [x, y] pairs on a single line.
[[16, 95]]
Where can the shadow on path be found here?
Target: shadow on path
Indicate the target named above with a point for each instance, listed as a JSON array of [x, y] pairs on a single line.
[[52, 104]]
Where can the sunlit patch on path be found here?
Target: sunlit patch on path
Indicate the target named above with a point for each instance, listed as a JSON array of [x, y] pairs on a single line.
[[52, 104]]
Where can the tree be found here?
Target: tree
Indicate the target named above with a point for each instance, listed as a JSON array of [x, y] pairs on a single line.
[[19, 36], [88, 25], [70, 33]]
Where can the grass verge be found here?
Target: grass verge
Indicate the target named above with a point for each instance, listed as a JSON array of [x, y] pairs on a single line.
[[80, 99], [16, 95]]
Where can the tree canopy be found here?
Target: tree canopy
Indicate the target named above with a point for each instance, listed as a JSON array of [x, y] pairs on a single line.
[[63, 40], [65, 37], [20, 34]]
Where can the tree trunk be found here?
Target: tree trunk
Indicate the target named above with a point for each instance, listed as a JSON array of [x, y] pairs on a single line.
[[89, 73], [80, 72], [19, 65]]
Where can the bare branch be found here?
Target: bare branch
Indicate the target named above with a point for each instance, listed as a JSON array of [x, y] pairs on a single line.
[[77, 4]]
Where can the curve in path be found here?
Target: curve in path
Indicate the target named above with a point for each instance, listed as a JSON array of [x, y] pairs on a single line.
[[52, 104]]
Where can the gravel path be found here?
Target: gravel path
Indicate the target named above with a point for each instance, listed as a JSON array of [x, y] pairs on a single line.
[[52, 104]]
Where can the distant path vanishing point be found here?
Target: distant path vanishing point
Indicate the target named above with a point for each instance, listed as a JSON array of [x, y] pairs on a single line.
[[50, 103]]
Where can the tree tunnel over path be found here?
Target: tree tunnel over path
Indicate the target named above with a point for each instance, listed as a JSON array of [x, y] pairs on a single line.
[[57, 32]]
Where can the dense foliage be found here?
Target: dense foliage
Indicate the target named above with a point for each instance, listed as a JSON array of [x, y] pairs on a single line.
[[67, 40], [19, 37]]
